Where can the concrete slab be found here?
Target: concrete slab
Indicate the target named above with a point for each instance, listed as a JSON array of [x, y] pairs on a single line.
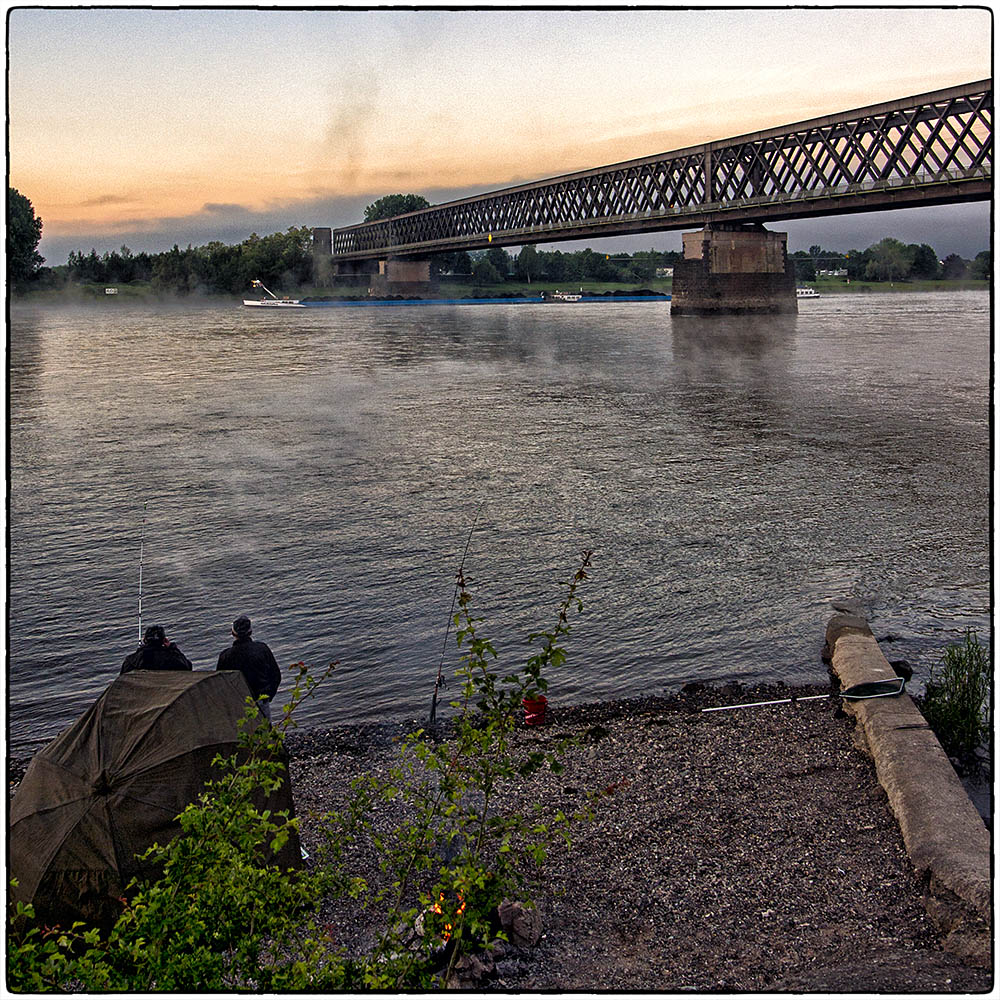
[[944, 835]]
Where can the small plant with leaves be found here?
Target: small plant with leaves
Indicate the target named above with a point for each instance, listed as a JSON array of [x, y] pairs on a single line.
[[42, 959], [461, 852], [956, 696], [552, 654]]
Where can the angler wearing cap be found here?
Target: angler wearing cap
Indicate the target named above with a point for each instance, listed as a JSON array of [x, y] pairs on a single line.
[[156, 652], [255, 661]]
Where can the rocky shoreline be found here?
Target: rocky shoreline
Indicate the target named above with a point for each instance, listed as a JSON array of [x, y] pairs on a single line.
[[747, 850]]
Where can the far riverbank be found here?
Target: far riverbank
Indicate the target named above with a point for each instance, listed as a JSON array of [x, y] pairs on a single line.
[[143, 291]]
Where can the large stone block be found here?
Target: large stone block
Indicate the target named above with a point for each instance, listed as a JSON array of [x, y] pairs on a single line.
[[403, 277], [943, 833], [394, 270]]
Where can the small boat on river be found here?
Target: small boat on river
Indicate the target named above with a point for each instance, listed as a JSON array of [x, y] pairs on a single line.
[[558, 296], [273, 302], [806, 293]]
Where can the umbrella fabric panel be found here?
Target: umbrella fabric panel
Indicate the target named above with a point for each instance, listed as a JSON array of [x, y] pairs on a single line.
[[84, 881], [144, 810], [65, 862], [47, 807], [160, 713]]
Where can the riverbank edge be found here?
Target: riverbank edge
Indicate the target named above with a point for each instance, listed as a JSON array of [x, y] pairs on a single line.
[[142, 292], [944, 835]]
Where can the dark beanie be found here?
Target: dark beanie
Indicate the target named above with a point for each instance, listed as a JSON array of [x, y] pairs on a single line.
[[154, 636], [242, 626]]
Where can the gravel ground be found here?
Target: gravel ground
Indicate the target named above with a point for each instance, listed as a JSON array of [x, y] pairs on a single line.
[[751, 850]]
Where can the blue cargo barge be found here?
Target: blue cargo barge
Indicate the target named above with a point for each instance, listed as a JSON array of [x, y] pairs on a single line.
[[323, 303], [273, 302]]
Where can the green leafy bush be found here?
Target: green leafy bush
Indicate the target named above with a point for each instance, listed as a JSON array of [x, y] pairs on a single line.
[[956, 697]]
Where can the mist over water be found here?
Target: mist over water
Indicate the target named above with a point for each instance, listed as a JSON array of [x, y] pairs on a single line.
[[320, 470]]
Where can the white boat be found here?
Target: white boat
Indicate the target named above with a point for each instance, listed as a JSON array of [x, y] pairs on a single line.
[[558, 296], [806, 293], [273, 302]]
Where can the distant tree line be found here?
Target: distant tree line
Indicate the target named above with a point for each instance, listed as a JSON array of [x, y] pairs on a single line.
[[282, 261], [887, 260], [496, 265], [891, 260]]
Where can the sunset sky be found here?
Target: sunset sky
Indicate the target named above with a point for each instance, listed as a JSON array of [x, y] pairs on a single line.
[[150, 127]]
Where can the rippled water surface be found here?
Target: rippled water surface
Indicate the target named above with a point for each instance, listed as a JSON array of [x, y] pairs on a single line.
[[321, 470]]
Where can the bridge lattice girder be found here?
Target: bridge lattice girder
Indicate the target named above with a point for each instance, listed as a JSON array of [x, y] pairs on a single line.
[[932, 149]]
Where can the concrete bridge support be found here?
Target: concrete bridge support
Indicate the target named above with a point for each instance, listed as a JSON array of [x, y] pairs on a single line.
[[322, 263], [388, 276], [356, 273], [403, 277], [729, 268], [322, 241]]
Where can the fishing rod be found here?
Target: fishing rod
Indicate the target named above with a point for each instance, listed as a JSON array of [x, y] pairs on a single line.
[[856, 692], [142, 545], [454, 597]]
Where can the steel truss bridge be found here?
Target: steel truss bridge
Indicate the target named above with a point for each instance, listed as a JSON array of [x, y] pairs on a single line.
[[931, 149]]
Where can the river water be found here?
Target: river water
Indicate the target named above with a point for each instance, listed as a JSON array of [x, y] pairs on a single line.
[[321, 471]]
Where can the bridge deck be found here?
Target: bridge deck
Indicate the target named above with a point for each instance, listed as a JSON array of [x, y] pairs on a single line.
[[929, 149]]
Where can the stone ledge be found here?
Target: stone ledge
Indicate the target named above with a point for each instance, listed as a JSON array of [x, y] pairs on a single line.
[[944, 835]]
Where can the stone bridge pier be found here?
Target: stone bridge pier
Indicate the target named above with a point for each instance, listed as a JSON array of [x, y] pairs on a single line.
[[381, 276], [734, 268], [398, 276]]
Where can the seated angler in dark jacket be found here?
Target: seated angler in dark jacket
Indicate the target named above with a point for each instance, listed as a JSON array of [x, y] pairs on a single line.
[[255, 661], [156, 652]]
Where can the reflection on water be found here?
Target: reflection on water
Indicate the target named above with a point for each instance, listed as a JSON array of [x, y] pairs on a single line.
[[321, 472]]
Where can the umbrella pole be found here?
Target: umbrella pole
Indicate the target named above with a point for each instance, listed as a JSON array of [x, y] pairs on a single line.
[[142, 545]]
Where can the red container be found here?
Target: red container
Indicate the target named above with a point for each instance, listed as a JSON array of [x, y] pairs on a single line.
[[534, 710]]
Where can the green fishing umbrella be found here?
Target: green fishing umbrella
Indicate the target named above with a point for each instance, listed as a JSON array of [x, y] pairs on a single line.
[[112, 784]]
